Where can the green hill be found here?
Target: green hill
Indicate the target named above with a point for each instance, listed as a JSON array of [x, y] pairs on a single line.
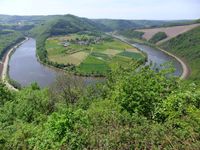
[[117, 24], [187, 46], [59, 25]]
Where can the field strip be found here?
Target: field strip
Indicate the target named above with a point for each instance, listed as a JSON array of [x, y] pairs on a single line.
[[77, 58], [111, 52], [133, 50]]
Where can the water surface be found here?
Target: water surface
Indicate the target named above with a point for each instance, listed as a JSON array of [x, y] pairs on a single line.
[[25, 69], [158, 58]]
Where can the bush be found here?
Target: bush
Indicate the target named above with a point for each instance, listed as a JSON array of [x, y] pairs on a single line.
[[158, 37]]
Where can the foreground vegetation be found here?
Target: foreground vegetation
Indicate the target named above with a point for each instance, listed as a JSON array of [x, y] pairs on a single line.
[[132, 109]]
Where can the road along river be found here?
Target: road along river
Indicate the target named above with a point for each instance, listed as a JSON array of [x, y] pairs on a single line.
[[25, 68]]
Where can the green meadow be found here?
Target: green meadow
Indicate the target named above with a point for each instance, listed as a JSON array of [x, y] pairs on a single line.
[[90, 54]]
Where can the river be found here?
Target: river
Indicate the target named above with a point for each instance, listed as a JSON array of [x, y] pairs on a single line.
[[25, 69], [157, 58]]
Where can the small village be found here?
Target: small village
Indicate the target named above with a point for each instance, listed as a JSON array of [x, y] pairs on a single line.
[[82, 41]]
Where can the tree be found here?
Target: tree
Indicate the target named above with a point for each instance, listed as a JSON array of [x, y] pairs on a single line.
[[68, 88], [5, 94], [141, 91]]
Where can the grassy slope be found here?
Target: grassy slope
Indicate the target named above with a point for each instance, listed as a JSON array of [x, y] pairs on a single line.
[[187, 46]]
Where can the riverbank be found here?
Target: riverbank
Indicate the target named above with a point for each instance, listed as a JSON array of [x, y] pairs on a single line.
[[5, 63], [186, 70], [185, 67]]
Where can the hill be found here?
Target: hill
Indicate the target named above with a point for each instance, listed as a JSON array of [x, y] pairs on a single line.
[[118, 24], [187, 46], [59, 25]]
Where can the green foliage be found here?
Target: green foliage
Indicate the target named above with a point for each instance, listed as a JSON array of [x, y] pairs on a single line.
[[64, 129], [158, 37], [138, 94], [131, 33], [132, 109], [5, 94], [9, 39]]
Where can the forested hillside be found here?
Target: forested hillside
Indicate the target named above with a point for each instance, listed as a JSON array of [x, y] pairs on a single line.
[[112, 24], [131, 110], [8, 38], [187, 46]]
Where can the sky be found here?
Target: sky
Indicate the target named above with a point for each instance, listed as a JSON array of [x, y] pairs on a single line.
[[115, 9]]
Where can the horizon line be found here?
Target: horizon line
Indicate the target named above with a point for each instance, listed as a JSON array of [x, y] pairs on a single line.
[[37, 15]]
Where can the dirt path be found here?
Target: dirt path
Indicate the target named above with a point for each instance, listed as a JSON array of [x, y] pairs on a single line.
[[5, 66]]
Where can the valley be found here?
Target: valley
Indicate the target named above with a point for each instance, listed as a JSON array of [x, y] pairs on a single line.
[[103, 84]]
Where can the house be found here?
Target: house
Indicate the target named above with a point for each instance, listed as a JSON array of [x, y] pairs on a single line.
[[82, 42], [66, 44]]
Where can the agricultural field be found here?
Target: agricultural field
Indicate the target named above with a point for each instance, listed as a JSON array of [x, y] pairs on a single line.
[[89, 53], [171, 32]]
